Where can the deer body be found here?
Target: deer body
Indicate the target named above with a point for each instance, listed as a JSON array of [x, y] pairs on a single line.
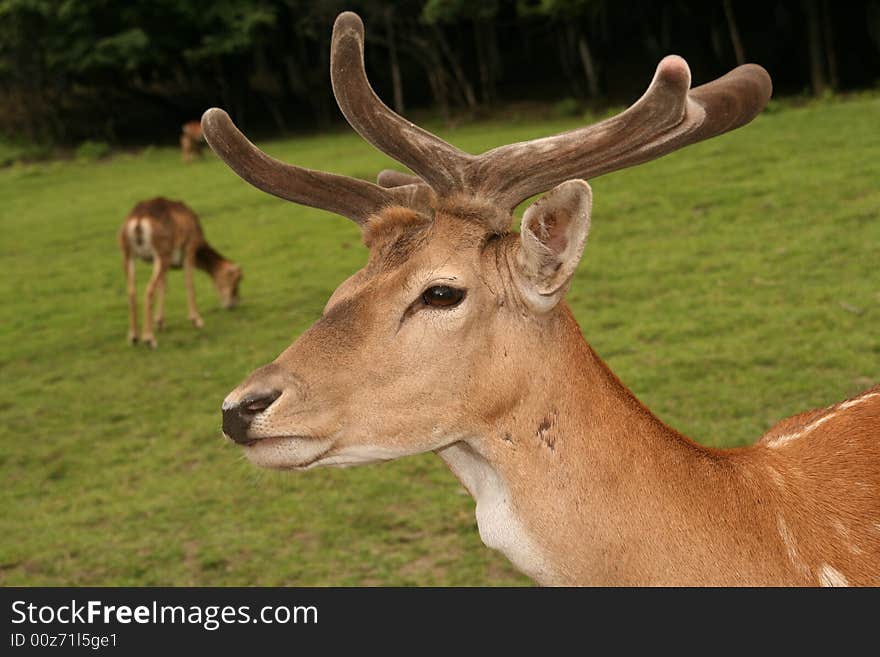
[[584, 485], [168, 235], [455, 338], [192, 141]]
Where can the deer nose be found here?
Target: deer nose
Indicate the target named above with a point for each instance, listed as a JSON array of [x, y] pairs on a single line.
[[238, 416]]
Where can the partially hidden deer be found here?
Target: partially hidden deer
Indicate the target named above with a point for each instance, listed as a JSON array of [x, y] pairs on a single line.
[[168, 235], [192, 141], [455, 339]]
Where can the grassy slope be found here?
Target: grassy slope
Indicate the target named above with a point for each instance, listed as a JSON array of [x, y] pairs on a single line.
[[729, 285]]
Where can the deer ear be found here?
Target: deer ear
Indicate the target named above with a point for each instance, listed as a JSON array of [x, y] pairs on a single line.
[[554, 231]]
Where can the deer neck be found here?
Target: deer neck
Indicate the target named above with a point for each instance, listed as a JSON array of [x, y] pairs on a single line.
[[579, 483], [209, 260]]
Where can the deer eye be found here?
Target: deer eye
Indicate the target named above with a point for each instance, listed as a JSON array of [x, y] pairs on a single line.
[[442, 296]]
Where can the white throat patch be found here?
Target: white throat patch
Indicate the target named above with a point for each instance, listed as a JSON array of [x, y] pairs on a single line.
[[500, 528]]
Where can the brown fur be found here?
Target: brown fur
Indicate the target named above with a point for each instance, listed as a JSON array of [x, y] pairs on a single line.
[[606, 490], [192, 141], [394, 221], [168, 234], [585, 485]]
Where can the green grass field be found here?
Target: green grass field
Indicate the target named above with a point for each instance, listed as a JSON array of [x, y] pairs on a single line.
[[729, 285]]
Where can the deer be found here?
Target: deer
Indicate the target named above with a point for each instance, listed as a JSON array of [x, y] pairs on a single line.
[[168, 234], [455, 338], [192, 140]]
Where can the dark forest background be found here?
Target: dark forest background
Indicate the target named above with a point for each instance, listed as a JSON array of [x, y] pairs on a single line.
[[134, 70]]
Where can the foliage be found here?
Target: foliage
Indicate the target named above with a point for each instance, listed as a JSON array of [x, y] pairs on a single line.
[[729, 285], [566, 107], [451, 11], [16, 151], [72, 70], [230, 28], [92, 150], [560, 9]]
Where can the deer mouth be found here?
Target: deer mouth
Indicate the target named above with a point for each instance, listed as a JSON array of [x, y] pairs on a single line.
[[287, 452], [269, 440]]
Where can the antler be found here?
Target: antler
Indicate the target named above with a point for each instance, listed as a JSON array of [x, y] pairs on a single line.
[[438, 163], [349, 197], [664, 119], [667, 117]]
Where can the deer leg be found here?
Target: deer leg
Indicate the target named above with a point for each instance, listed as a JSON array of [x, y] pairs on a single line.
[[159, 269], [160, 302], [188, 266], [128, 265], [184, 148]]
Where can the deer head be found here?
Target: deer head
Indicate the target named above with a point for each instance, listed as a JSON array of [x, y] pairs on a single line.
[[227, 279], [441, 333]]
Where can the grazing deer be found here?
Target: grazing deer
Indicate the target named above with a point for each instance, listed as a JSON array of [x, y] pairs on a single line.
[[168, 234], [192, 140], [455, 338]]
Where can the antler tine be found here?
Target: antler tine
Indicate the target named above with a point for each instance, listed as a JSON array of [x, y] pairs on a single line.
[[733, 99], [664, 119], [349, 197], [438, 163], [392, 178]]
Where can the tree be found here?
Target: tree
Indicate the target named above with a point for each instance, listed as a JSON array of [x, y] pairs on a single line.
[[395, 62], [103, 69], [830, 48], [734, 33], [481, 15], [572, 16], [814, 39]]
